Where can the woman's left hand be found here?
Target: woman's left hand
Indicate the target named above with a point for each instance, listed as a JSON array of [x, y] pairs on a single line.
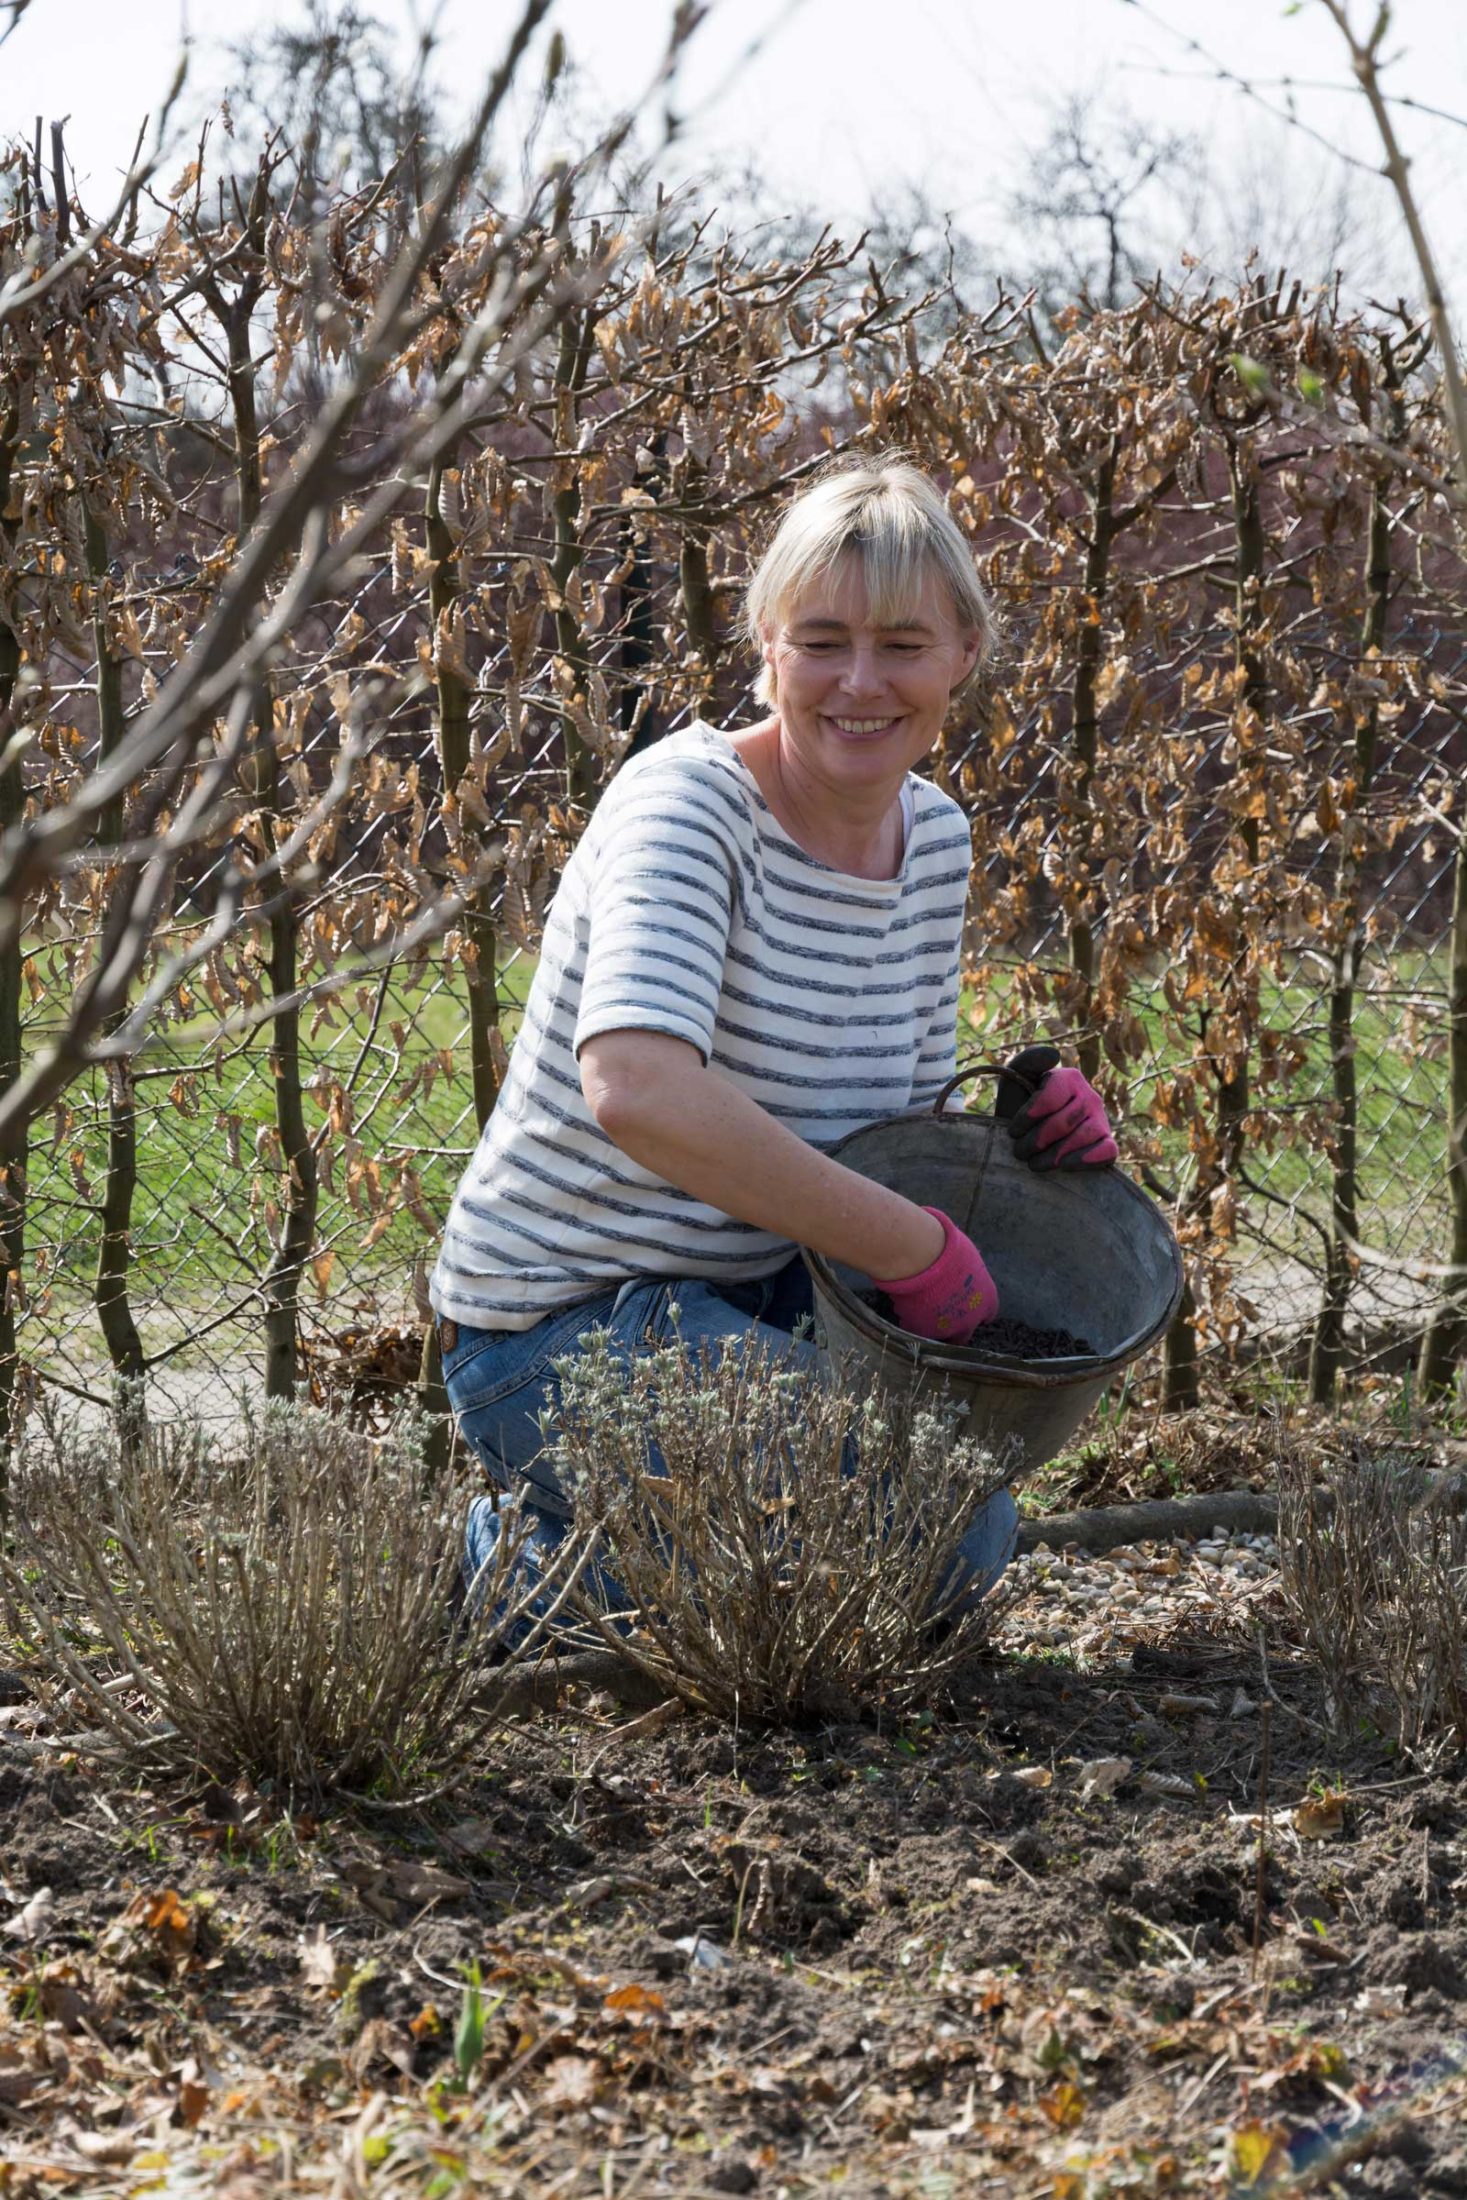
[[1064, 1124]]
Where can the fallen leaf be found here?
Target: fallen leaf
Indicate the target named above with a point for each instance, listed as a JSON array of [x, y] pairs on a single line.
[[320, 1963], [1177, 1706], [18, 2080], [66, 1999], [571, 2082], [1064, 2105], [471, 1835], [419, 1883], [634, 1998], [1099, 1777], [108, 2149], [1241, 1704], [1257, 2151], [34, 1921], [193, 2099], [1034, 1776], [380, 2041], [1165, 1783], [1320, 1816]]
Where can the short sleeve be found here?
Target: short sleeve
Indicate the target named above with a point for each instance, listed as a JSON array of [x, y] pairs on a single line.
[[660, 902]]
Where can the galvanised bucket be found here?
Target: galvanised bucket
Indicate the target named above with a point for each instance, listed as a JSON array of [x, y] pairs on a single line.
[[1078, 1249]]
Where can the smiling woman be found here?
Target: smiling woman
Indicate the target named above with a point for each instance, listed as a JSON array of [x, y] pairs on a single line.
[[753, 951]]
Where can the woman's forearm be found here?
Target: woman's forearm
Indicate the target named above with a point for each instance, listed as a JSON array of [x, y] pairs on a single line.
[[689, 1125]]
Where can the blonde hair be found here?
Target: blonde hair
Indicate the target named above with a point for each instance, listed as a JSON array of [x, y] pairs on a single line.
[[888, 513]]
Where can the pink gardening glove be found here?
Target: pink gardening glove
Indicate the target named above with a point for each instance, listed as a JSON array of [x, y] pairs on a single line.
[[1064, 1125], [949, 1300]]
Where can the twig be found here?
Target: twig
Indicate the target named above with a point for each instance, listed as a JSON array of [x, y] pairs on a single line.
[[1261, 1864]]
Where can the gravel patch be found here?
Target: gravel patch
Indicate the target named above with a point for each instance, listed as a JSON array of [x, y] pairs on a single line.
[[1098, 1604]]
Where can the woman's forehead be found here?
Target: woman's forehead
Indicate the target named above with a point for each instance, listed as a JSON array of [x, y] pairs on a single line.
[[842, 597]]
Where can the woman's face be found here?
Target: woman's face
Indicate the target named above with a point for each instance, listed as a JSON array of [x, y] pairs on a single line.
[[861, 704]]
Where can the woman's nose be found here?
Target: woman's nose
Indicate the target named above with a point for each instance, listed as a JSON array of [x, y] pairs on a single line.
[[861, 674]]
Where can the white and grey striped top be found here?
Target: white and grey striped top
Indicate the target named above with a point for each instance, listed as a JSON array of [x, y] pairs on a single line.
[[831, 1000]]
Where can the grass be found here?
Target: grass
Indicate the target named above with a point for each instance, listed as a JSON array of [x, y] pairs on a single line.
[[195, 1120], [202, 1225]]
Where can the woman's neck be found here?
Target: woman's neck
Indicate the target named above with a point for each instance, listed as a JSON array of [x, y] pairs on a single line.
[[860, 832]]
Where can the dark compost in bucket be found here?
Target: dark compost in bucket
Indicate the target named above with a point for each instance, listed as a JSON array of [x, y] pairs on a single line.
[[1080, 1250]]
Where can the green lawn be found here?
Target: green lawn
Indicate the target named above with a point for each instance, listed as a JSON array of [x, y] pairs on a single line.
[[201, 1233]]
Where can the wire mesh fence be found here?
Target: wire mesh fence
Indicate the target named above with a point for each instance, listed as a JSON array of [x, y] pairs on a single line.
[[1214, 785]]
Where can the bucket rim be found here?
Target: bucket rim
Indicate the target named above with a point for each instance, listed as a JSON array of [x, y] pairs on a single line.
[[970, 1360]]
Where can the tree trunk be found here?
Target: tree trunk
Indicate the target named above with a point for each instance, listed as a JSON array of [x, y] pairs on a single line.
[[13, 1142], [1180, 1384], [1085, 737], [476, 926], [281, 1282], [1445, 1340], [1327, 1347], [572, 363], [454, 756], [114, 1254]]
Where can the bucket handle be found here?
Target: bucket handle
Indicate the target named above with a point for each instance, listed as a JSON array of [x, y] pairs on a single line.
[[981, 1069]]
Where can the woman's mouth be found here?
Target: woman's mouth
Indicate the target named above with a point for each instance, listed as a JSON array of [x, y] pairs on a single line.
[[863, 729]]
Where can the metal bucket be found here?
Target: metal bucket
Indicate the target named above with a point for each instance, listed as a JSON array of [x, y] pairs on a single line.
[[1078, 1249]]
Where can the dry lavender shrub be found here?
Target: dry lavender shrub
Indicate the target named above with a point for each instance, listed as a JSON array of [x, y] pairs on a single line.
[[762, 1579], [277, 1604], [1374, 1574]]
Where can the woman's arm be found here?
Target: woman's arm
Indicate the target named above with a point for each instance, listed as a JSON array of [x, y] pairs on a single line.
[[654, 1098]]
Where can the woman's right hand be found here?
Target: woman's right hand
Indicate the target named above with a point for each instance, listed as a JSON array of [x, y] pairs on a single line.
[[947, 1301]]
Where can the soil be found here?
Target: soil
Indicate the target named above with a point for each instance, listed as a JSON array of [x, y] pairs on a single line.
[[1016, 1340], [938, 1957]]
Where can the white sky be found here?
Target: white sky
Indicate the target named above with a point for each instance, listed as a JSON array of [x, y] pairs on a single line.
[[848, 100]]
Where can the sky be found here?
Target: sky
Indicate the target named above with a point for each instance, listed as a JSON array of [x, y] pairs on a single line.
[[847, 102]]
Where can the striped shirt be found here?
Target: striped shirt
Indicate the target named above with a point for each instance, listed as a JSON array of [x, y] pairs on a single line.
[[685, 908]]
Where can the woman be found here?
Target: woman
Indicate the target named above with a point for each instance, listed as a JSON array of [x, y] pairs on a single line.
[[754, 949]]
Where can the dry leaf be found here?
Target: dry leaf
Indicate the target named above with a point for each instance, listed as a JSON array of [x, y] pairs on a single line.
[[1165, 1783], [1256, 2151], [18, 2080], [320, 1963], [471, 1835], [1034, 1776], [109, 2149], [1319, 1816], [1101, 1776], [33, 1922], [424, 1883], [634, 2000], [193, 2099], [571, 2082], [1064, 2105]]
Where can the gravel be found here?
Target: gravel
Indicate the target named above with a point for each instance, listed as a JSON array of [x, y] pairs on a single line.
[[1100, 1603]]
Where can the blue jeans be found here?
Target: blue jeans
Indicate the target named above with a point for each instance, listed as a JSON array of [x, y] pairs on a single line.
[[499, 1381]]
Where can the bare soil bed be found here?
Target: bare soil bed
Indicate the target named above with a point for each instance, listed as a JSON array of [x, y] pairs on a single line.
[[940, 1958]]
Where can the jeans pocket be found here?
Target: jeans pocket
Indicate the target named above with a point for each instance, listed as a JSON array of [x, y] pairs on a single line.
[[487, 1365]]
